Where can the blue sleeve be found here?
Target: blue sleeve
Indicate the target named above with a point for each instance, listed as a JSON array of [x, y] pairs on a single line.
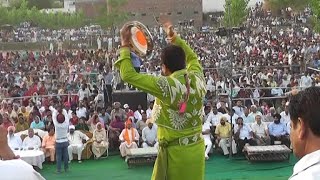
[[271, 130]]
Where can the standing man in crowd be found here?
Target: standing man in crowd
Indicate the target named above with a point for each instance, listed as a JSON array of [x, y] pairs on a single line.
[[178, 107], [60, 120], [305, 133]]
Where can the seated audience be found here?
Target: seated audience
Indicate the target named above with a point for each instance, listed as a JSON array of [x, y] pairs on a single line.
[[128, 111], [32, 141], [223, 134], [48, 144], [243, 134], [82, 126], [247, 118], [37, 123], [22, 125], [115, 129], [129, 138], [74, 119], [6, 121], [278, 131], [260, 132], [14, 141], [93, 121], [105, 117], [100, 141], [142, 124], [149, 135], [48, 122], [206, 132], [76, 143]]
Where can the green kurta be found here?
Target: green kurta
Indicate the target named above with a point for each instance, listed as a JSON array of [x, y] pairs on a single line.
[[181, 153]]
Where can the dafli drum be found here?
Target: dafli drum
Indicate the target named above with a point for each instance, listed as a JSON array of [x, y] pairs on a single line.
[[141, 39]]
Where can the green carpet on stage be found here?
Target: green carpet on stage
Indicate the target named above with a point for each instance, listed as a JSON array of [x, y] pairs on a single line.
[[217, 168]]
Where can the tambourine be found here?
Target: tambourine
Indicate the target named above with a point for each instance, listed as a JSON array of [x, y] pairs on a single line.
[[141, 41]]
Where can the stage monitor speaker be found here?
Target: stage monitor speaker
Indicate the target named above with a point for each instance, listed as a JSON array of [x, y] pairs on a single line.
[[132, 98]]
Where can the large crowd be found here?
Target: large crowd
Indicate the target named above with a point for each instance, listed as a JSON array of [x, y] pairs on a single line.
[[270, 59]]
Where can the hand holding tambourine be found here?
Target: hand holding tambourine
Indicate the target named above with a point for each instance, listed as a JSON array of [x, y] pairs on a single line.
[[138, 38]]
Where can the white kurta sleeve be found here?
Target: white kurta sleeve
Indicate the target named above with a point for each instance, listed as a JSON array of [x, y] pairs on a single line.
[[144, 139], [121, 136], [136, 136]]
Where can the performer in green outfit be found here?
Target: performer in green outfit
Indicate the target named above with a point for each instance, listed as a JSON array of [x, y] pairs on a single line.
[[178, 108]]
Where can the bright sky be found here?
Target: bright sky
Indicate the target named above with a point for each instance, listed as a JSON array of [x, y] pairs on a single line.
[[217, 5]]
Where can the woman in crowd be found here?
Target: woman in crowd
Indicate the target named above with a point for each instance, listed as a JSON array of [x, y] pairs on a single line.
[[92, 123], [116, 126]]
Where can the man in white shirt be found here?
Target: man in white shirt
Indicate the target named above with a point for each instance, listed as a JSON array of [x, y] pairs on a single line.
[[11, 167], [81, 111], [232, 114], [61, 123], [206, 132], [254, 111], [247, 118], [149, 135], [83, 92], [305, 81], [149, 110], [14, 141], [305, 133], [214, 117], [243, 134], [31, 141], [76, 141], [285, 116], [239, 108], [260, 132]]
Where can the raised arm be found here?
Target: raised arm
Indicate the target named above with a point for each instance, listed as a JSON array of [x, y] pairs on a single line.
[[193, 63], [147, 83]]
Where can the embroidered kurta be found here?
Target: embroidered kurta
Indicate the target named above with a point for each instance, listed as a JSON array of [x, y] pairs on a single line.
[[181, 144]]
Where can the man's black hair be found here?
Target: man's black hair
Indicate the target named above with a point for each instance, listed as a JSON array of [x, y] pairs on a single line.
[[306, 105], [174, 58], [277, 115]]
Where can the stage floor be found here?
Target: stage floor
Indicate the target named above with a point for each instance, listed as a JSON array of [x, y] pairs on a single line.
[[217, 168]]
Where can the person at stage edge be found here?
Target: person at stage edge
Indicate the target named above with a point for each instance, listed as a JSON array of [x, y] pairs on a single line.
[[305, 133], [178, 108]]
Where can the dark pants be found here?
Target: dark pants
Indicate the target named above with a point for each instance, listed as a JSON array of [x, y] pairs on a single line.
[[62, 155], [108, 95], [284, 140], [242, 142]]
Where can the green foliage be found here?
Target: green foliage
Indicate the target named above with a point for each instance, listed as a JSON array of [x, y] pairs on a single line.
[[113, 14], [39, 4], [15, 16], [315, 6], [236, 12], [296, 5]]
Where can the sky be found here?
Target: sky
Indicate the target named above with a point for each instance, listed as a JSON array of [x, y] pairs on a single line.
[[217, 5]]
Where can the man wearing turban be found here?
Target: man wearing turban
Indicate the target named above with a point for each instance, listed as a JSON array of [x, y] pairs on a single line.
[[129, 138]]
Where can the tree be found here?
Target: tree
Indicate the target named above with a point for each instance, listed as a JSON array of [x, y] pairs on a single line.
[[39, 4], [315, 7], [15, 16], [236, 12], [112, 13], [277, 5]]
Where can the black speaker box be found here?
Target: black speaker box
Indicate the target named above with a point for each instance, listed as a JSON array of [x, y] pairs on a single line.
[[132, 98]]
